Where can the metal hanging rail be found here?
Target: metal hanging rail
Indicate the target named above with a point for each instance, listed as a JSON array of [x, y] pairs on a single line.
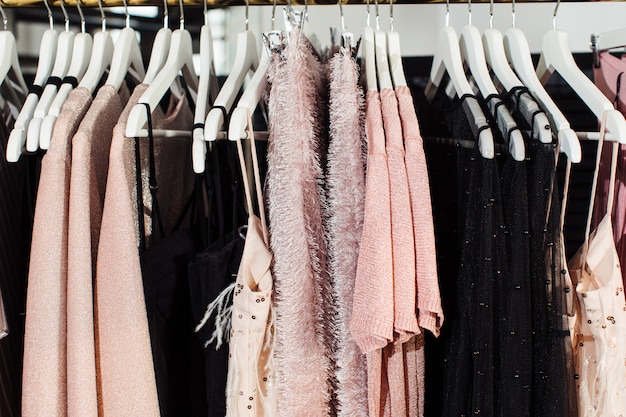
[[225, 3]]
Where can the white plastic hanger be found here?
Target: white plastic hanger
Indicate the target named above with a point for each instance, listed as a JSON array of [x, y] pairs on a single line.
[[47, 53], [368, 54], [180, 59], [556, 56], [206, 80], [101, 56], [246, 59], [447, 59], [518, 55], [62, 62], [382, 58], [8, 56], [394, 53], [496, 59], [255, 89], [606, 41], [126, 55], [472, 53], [83, 43], [160, 48]]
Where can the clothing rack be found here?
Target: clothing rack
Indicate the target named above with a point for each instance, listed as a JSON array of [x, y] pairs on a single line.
[[224, 3]]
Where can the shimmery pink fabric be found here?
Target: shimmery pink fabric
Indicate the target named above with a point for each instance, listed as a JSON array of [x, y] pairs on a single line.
[[373, 310], [345, 180], [44, 374], [430, 313], [90, 160], [605, 78], [296, 112], [124, 356], [402, 240]]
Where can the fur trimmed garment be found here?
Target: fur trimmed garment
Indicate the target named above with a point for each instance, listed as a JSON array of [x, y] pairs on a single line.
[[345, 182], [297, 128]]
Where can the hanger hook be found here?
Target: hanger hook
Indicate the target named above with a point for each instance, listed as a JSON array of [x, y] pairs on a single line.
[[67, 19], [4, 18], [447, 13], [166, 15], [247, 14], [205, 12], [50, 19], [556, 9], [490, 14], [469, 12], [368, 13], [377, 15], [274, 16], [181, 20], [513, 13], [82, 16], [391, 15], [343, 21], [126, 13]]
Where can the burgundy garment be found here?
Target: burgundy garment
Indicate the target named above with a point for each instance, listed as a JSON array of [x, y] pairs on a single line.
[[606, 78]]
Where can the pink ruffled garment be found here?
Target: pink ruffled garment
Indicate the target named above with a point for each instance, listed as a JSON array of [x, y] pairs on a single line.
[[344, 222], [45, 371], [296, 121], [90, 160], [124, 355]]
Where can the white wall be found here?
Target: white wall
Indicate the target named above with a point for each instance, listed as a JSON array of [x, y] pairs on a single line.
[[418, 25]]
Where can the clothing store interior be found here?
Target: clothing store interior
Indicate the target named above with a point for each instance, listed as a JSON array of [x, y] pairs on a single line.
[[312, 208]]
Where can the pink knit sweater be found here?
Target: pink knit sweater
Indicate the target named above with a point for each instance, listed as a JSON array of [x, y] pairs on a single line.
[[372, 319], [402, 240], [428, 300]]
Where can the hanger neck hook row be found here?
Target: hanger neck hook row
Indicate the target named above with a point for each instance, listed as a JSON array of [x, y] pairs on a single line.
[[391, 15], [65, 16], [5, 21], [513, 13], [181, 20], [82, 17], [556, 9], [50, 19], [447, 13], [490, 14], [377, 15]]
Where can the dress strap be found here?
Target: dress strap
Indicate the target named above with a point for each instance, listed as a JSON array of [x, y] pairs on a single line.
[[594, 186]]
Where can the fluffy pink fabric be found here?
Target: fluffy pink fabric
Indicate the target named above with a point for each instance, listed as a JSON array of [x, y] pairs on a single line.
[[296, 113], [373, 311], [345, 181], [430, 314]]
